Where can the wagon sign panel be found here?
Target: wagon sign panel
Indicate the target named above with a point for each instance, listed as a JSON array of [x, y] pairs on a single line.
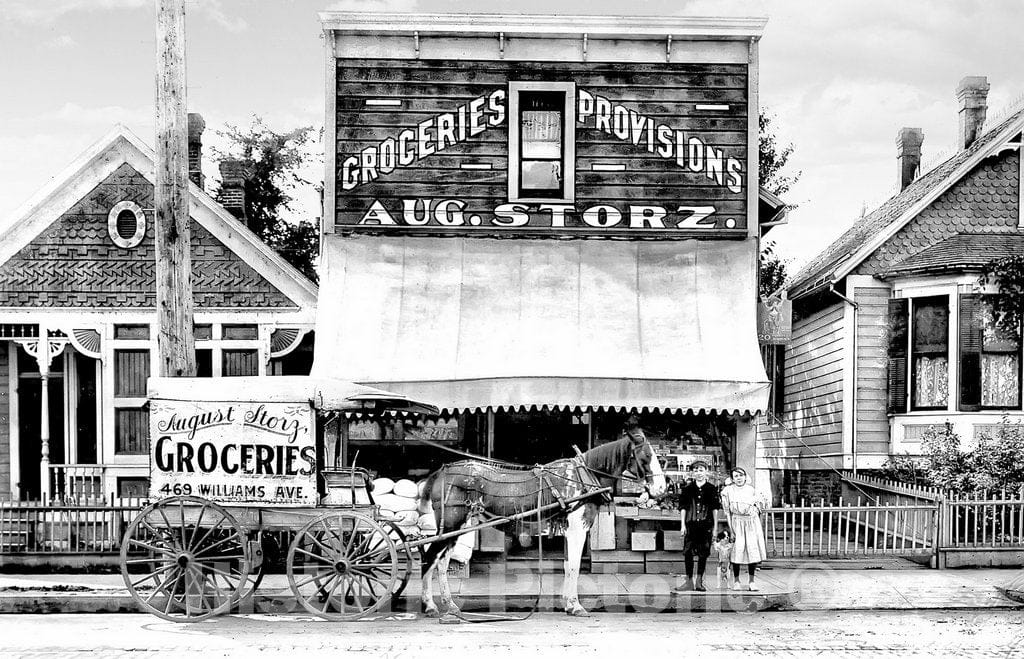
[[238, 453]]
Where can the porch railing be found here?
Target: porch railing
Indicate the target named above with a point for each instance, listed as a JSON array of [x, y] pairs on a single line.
[[35, 527], [77, 483]]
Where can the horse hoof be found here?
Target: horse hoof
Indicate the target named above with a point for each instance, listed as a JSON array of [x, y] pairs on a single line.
[[577, 612], [432, 613]]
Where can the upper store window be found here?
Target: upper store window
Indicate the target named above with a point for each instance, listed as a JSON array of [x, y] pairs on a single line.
[[542, 146]]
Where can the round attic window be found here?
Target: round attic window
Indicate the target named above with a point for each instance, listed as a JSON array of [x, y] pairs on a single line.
[[126, 224]]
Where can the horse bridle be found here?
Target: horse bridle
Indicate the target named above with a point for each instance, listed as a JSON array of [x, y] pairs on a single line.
[[643, 475]]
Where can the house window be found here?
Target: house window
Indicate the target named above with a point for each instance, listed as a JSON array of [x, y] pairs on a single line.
[[542, 146], [990, 357], [930, 353], [240, 363], [131, 417]]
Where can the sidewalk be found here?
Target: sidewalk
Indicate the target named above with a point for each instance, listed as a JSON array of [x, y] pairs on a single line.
[[812, 587]]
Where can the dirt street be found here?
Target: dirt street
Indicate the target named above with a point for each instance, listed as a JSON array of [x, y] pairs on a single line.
[[962, 634]]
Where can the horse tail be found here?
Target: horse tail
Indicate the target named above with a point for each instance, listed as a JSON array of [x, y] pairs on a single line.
[[424, 504]]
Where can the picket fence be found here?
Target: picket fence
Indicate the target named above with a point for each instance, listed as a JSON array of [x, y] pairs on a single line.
[[898, 519]]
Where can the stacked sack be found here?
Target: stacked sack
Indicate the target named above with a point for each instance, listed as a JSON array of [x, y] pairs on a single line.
[[398, 503]]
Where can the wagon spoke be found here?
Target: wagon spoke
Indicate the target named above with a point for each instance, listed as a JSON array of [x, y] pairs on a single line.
[[317, 575], [210, 530], [322, 559], [206, 550], [327, 600], [153, 575], [160, 550], [330, 550], [173, 539], [198, 527], [328, 529], [352, 535], [370, 577], [160, 585]]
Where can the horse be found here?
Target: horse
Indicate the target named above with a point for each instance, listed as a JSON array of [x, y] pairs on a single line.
[[470, 491]]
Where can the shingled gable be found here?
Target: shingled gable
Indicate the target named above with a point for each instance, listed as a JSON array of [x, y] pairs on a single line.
[[869, 233], [121, 152]]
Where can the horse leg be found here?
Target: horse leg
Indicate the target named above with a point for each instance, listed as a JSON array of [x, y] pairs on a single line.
[[443, 561], [575, 535], [429, 564]]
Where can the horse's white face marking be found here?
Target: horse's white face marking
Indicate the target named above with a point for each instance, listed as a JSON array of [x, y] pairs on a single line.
[[657, 485]]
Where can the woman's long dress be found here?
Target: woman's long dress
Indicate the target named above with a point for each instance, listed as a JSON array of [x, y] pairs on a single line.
[[744, 506]]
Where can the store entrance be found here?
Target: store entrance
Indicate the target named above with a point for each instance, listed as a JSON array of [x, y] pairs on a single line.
[[537, 437]]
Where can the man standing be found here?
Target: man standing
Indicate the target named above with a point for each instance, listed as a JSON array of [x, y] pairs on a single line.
[[698, 502]]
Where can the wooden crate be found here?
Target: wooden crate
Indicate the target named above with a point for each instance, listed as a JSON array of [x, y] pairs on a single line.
[[616, 568], [664, 562], [617, 561], [643, 540], [492, 540], [602, 535], [671, 540]]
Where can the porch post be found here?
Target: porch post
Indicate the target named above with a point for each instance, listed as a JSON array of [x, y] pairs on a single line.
[[44, 423]]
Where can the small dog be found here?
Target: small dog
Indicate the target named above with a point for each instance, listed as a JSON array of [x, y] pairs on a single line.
[[722, 547]]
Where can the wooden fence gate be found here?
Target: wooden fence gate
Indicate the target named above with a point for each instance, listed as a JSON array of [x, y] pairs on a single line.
[[852, 530]]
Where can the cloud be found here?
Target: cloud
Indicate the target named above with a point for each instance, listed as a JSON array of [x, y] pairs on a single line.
[[103, 116], [373, 5], [33, 11], [214, 10], [61, 42]]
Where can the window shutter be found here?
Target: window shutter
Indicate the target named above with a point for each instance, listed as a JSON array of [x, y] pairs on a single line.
[[970, 335], [898, 313]]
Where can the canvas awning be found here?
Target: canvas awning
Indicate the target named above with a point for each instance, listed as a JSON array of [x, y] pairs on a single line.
[[323, 393], [476, 323]]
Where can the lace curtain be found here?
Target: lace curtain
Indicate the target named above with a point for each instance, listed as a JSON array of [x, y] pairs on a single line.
[[999, 384], [931, 385]]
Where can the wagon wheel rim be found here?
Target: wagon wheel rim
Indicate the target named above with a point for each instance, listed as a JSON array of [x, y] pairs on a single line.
[[343, 566], [405, 558], [180, 569]]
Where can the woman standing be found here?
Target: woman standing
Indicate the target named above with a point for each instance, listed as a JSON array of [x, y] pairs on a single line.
[[743, 507]]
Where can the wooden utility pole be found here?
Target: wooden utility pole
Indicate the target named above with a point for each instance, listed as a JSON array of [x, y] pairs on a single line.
[[175, 338]]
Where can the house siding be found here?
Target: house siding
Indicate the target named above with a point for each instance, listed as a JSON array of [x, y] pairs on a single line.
[[986, 200], [813, 389], [75, 264], [5, 426]]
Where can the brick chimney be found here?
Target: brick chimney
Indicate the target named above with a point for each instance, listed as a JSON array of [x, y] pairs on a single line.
[[196, 125], [972, 93], [908, 155], [232, 187]]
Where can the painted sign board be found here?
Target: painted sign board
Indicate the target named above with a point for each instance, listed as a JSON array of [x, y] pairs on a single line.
[[249, 453], [775, 321], [660, 153]]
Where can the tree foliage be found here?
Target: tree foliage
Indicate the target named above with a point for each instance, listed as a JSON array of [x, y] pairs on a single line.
[[773, 158], [773, 177], [272, 162], [996, 463], [772, 272]]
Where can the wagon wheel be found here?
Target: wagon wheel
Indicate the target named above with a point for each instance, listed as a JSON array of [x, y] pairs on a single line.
[[405, 559], [343, 566], [184, 559]]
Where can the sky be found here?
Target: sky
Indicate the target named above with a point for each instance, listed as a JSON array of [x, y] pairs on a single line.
[[839, 78]]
